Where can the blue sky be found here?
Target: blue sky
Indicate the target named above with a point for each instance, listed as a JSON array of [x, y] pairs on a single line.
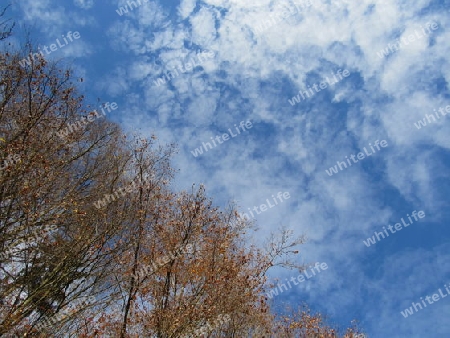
[[252, 76]]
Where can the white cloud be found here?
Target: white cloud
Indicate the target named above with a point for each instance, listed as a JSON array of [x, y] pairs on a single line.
[[186, 8], [85, 4], [203, 26]]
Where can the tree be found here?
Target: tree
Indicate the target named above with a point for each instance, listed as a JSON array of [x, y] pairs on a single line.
[[54, 181], [96, 243], [302, 323]]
